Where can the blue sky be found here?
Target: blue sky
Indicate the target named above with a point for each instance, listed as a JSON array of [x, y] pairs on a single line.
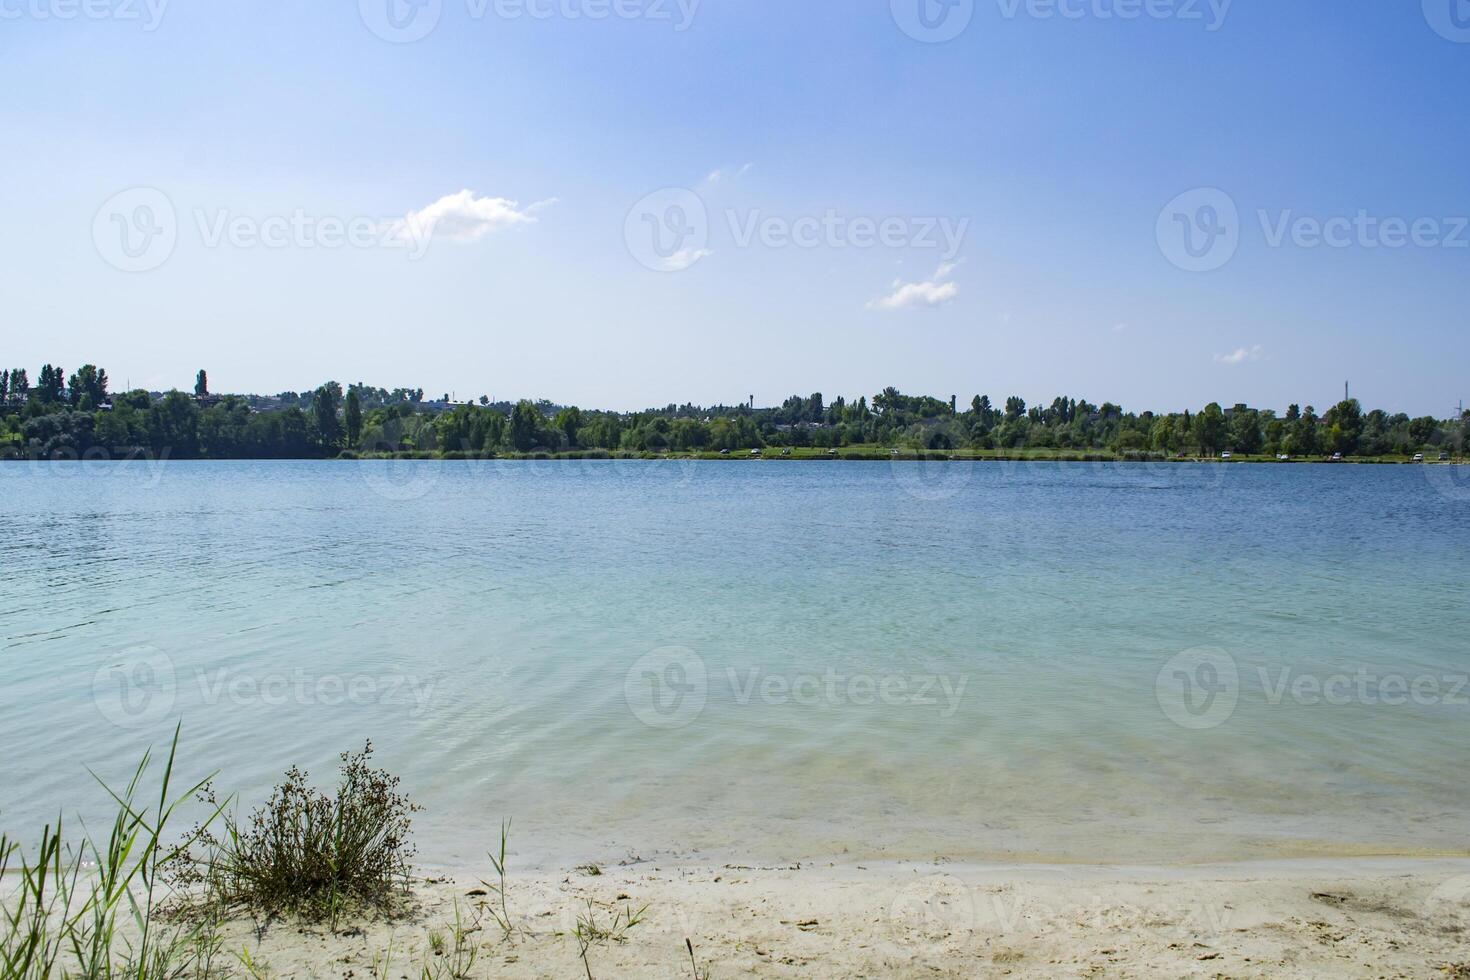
[[1068, 142]]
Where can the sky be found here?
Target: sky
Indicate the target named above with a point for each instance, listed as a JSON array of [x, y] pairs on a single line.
[[627, 203]]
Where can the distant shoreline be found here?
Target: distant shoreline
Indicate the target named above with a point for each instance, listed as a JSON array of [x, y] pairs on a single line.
[[767, 455]]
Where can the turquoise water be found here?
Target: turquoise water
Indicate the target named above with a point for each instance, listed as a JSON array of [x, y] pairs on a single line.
[[762, 661]]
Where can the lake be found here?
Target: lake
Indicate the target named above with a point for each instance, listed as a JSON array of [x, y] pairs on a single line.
[[761, 661]]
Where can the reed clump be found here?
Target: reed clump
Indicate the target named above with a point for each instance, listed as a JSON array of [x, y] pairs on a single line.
[[92, 909], [308, 854]]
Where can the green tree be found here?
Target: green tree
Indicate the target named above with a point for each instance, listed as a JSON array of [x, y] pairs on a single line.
[[1305, 439], [175, 425], [88, 387], [568, 421], [525, 420], [353, 417], [1245, 431], [1209, 429], [1162, 434], [1344, 423], [1422, 430], [324, 403], [51, 385]]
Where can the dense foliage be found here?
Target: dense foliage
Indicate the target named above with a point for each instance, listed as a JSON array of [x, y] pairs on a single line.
[[76, 417], [307, 853]]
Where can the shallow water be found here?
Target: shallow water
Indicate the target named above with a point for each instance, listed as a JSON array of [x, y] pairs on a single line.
[[758, 661]]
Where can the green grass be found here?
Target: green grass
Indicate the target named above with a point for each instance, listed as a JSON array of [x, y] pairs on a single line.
[[137, 903], [308, 854], [65, 920]]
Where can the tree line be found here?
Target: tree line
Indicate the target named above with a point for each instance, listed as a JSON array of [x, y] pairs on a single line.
[[72, 416]]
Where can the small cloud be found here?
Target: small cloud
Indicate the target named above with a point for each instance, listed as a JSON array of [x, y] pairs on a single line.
[[717, 175], [1119, 327], [930, 293], [683, 259], [463, 217], [1240, 355]]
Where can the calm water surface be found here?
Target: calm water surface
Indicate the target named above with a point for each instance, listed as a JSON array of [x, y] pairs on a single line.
[[759, 661]]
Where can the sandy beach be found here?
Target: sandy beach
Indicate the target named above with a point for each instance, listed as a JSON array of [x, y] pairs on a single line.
[[1358, 918]]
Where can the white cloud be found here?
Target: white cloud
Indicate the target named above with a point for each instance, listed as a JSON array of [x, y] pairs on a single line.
[[1240, 355], [715, 176], [935, 291], [463, 217], [683, 259], [1119, 327]]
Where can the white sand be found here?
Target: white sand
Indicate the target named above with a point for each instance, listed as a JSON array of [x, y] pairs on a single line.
[[1359, 918]]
